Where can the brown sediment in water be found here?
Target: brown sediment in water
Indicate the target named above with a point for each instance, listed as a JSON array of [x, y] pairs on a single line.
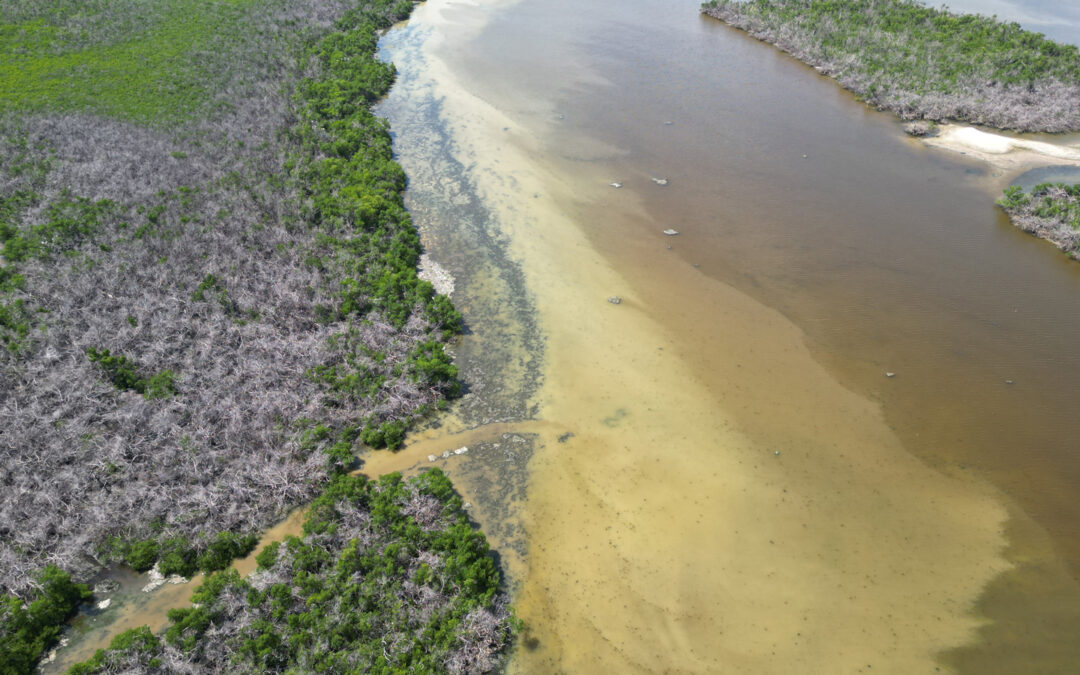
[[724, 502], [138, 608], [131, 608]]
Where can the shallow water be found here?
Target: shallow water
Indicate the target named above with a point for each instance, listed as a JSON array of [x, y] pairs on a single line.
[[1057, 20], [1048, 174], [745, 488], [716, 474]]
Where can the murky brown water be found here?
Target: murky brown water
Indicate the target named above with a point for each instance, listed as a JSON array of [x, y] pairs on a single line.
[[715, 475], [908, 523]]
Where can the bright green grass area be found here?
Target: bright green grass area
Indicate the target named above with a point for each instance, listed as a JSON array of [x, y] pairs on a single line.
[[87, 57]]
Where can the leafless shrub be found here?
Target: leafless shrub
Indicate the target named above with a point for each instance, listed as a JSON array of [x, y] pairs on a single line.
[[425, 510], [483, 637], [1050, 212], [81, 461], [409, 605], [1047, 104], [921, 128]]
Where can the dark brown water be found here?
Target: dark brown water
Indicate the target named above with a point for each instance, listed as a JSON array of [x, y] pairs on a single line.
[[891, 257], [887, 255]]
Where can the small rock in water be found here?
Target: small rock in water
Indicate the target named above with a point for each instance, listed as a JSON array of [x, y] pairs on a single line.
[[887, 374], [804, 156], [1008, 381], [614, 299], [615, 184], [776, 452], [660, 181], [670, 232], [104, 604], [462, 450], [431, 458], [668, 123], [446, 455]]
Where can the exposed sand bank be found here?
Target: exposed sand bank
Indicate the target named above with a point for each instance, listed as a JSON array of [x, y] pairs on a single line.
[[724, 504], [1005, 152]]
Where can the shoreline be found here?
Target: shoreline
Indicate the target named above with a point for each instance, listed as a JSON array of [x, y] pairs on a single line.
[[1015, 112], [1000, 99], [771, 516], [1007, 153]]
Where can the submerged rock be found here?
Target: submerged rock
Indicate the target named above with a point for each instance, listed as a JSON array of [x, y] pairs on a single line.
[[670, 232], [614, 299], [660, 181]]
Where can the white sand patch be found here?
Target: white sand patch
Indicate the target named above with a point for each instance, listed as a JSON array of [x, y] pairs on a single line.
[[1001, 150], [436, 275]]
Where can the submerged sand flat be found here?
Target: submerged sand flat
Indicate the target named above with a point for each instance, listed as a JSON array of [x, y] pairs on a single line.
[[723, 504]]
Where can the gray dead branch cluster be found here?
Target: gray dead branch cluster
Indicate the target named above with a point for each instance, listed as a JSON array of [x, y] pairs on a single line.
[[81, 461], [1047, 105]]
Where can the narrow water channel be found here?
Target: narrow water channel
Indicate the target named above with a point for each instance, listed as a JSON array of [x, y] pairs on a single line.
[[727, 478]]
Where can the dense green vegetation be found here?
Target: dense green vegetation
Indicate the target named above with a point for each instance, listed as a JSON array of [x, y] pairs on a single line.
[[29, 627], [149, 62], [389, 577], [922, 62], [124, 374], [197, 205], [1050, 211]]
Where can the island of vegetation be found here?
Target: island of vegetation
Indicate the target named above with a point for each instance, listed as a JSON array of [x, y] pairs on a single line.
[[923, 63], [208, 306], [1050, 211]]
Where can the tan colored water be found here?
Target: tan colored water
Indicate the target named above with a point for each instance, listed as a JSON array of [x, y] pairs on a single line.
[[715, 475], [819, 248]]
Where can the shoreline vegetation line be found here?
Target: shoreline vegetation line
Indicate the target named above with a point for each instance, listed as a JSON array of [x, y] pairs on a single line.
[[209, 308], [931, 66]]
